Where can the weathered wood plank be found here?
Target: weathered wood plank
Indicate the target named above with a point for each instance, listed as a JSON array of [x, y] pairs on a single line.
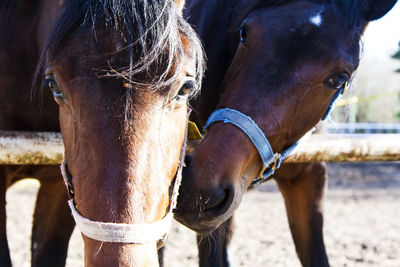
[[47, 148], [348, 148], [31, 148]]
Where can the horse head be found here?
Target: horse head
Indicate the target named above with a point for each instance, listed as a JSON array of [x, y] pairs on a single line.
[[288, 62], [121, 73]]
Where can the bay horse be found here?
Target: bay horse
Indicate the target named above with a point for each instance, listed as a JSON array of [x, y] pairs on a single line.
[[274, 70], [116, 77]]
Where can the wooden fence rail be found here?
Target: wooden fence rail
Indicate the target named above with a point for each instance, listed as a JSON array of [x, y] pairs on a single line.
[[47, 148], [348, 148], [31, 148]]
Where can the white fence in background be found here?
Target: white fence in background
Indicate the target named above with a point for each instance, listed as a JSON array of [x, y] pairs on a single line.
[[362, 128]]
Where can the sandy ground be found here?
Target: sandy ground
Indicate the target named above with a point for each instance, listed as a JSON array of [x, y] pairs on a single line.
[[362, 223]]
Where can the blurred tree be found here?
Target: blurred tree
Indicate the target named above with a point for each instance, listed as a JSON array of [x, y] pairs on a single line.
[[397, 56]]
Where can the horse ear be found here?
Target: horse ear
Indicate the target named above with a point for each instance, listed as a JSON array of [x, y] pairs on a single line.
[[179, 5], [375, 9]]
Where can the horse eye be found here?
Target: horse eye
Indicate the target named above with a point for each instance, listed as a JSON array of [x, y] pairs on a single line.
[[51, 83], [186, 89], [243, 34], [337, 81]]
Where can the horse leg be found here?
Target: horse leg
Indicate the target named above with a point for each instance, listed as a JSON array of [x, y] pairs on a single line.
[[160, 254], [5, 259], [213, 247], [302, 186], [52, 222]]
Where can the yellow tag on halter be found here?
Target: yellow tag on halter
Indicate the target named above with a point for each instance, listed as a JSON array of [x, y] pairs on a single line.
[[345, 87], [193, 131]]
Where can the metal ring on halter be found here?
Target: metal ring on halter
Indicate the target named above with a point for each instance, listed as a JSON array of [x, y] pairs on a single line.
[[121, 232], [273, 166]]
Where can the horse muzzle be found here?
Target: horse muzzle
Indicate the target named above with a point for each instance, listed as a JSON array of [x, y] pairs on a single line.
[[204, 206]]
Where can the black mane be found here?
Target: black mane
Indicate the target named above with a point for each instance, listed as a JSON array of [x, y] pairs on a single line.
[[352, 12]]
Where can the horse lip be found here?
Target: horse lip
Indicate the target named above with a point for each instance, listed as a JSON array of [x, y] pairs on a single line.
[[202, 227]]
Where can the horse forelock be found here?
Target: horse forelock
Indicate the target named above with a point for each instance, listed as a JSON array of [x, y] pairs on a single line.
[[151, 30]]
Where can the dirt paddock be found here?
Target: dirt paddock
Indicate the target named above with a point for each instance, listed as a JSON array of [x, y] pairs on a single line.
[[362, 223]]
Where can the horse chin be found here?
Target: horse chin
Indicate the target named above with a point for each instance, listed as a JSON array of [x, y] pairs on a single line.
[[203, 226], [205, 223]]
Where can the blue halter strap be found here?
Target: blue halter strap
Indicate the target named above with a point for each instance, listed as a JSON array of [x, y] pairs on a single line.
[[338, 93], [271, 161]]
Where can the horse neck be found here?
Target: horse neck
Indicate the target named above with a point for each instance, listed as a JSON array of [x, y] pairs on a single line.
[[214, 23], [210, 19], [19, 53]]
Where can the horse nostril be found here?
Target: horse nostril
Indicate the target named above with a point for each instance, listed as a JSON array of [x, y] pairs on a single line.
[[188, 160], [219, 202]]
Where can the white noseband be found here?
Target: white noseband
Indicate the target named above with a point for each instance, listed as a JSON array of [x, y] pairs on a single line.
[[121, 232]]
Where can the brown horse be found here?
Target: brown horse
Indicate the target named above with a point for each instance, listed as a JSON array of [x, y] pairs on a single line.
[[116, 76], [281, 63]]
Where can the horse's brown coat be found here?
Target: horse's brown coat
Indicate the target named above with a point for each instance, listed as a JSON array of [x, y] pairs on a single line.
[[270, 61], [122, 137]]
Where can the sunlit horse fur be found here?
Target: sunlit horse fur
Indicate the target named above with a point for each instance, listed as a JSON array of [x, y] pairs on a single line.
[[279, 62], [116, 76]]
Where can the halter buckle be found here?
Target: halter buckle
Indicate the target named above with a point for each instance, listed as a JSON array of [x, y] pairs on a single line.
[[273, 166], [277, 156], [261, 173]]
